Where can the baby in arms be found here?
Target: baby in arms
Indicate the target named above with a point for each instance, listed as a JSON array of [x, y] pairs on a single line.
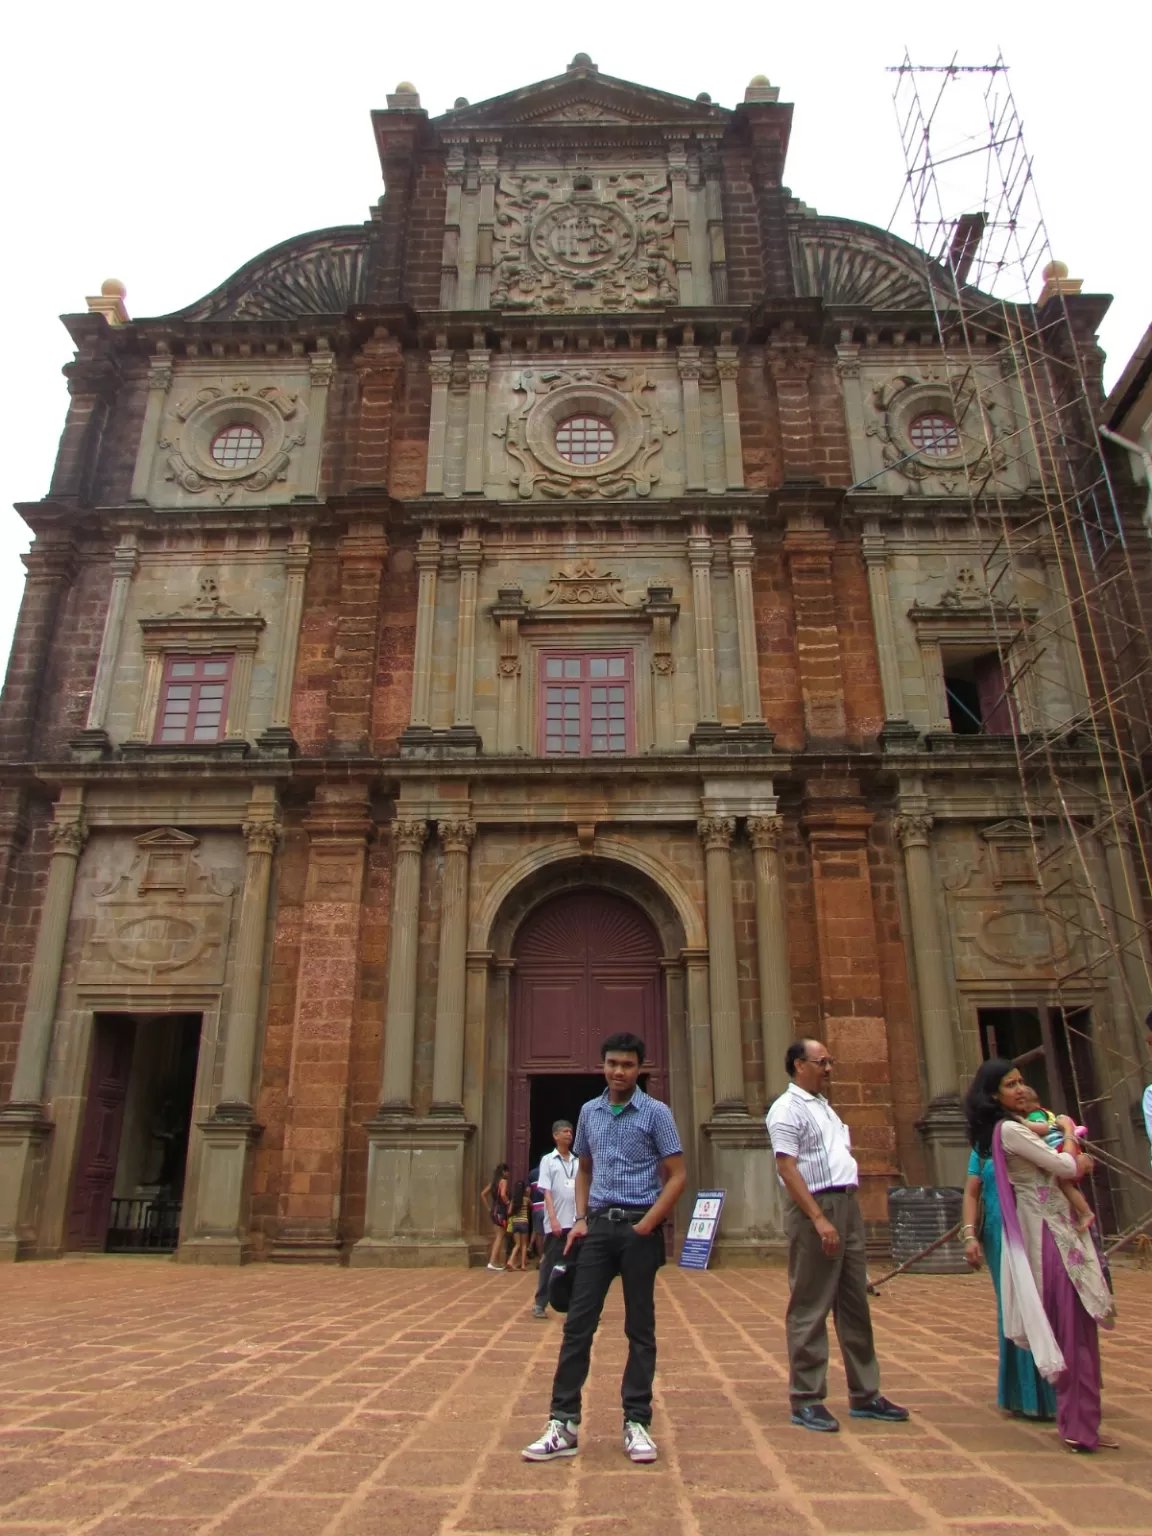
[[1043, 1122]]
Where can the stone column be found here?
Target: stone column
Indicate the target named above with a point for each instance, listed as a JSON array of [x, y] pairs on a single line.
[[428, 564], [24, 1129], [1130, 929], [219, 1223], [321, 372], [51, 570], [728, 367], [740, 551], [440, 371], [727, 1056], [776, 1027], [485, 224], [714, 208], [277, 737], [478, 367], [93, 740], [450, 252], [67, 834], [688, 363], [700, 561], [448, 1060], [874, 548], [944, 1121], [681, 231], [159, 382], [400, 1013], [261, 833], [507, 612], [469, 554], [662, 611]]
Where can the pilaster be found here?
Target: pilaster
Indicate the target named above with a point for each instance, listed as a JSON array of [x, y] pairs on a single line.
[[363, 551], [478, 370], [51, 569], [727, 1054], [874, 548], [93, 740], [448, 1061], [277, 738], [700, 562], [728, 367], [808, 549], [159, 383], [690, 368], [469, 553], [776, 1026], [400, 1014], [440, 372], [740, 553], [507, 612]]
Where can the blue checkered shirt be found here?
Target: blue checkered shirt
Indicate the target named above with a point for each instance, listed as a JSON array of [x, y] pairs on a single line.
[[626, 1149]]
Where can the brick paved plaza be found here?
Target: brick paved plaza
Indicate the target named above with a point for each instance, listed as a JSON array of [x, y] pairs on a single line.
[[141, 1398]]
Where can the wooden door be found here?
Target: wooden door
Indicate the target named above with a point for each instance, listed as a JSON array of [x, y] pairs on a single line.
[[587, 966], [114, 1038]]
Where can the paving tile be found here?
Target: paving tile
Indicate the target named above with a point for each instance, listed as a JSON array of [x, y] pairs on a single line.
[[867, 1514]]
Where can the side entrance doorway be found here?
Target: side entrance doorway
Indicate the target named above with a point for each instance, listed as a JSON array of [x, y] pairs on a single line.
[[587, 966], [128, 1190]]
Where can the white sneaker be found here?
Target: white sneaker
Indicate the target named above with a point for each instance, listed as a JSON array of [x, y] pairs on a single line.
[[499, 1268], [559, 1439], [638, 1443]]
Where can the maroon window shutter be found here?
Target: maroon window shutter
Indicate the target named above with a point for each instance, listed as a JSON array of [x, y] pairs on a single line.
[[995, 708]]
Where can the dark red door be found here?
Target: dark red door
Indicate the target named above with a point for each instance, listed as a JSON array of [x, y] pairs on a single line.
[[100, 1138], [587, 966]]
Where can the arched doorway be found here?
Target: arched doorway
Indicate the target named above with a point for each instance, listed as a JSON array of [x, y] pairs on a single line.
[[587, 965]]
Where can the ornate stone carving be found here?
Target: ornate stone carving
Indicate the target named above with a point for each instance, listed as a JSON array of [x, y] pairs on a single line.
[[716, 831], [912, 828], [409, 835], [622, 396], [573, 241], [277, 415], [456, 836], [261, 836], [765, 832], [902, 398], [67, 837], [317, 274], [583, 586]]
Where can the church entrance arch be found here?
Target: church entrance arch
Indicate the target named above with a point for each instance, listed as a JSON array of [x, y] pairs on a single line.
[[587, 965]]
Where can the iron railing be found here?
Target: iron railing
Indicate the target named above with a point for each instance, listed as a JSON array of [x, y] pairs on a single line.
[[143, 1226]]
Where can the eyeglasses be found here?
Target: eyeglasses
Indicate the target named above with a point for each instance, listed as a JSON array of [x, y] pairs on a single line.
[[819, 1061]]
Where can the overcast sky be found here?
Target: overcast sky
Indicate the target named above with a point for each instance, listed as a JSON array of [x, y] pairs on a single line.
[[166, 146]]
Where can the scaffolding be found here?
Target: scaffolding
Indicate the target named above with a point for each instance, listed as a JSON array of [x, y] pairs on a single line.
[[1064, 561]]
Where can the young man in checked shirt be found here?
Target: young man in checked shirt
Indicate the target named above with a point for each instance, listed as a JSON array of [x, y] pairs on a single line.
[[631, 1175]]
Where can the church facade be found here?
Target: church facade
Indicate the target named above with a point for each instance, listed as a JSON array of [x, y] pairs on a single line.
[[550, 607]]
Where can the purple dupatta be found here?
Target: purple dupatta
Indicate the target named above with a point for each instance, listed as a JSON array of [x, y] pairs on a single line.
[[1025, 1321]]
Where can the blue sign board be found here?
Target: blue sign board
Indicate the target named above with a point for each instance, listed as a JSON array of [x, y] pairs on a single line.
[[697, 1249]]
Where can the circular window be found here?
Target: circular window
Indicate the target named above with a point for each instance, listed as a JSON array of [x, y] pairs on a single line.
[[237, 446], [584, 440], [934, 433]]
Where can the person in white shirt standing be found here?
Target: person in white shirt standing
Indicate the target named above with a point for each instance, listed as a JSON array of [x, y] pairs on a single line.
[[557, 1181], [826, 1256]]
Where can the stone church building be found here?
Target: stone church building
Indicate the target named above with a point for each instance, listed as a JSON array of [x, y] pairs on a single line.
[[549, 607]]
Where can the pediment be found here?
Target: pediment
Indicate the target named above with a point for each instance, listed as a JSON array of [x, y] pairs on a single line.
[[583, 96]]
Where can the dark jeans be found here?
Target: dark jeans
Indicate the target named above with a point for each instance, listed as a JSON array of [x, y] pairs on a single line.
[[611, 1249], [553, 1248]]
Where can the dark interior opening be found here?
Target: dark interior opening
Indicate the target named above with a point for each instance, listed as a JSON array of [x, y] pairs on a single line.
[[556, 1097]]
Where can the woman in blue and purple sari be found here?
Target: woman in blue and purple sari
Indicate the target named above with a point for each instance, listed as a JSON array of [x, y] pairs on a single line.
[[1052, 1291]]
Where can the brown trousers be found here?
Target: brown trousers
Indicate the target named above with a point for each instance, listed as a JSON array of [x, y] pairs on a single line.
[[820, 1285]]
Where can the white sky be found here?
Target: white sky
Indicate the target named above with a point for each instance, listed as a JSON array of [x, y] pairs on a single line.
[[166, 146]]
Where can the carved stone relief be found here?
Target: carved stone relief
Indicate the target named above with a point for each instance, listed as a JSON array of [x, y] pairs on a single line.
[[895, 405], [620, 396], [164, 921], [276, 413], [567, 240]]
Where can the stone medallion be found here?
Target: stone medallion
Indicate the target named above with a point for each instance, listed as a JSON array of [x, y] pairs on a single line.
[[583, 238]]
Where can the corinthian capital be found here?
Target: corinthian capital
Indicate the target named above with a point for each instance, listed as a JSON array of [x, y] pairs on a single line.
[[261, 836], [409, 835], [912, 828], [765, 832], [716, 831], [68, 837], [456, 836]]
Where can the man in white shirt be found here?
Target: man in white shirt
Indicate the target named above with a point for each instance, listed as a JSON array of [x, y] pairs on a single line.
[[826, 1257], [557, 1181]]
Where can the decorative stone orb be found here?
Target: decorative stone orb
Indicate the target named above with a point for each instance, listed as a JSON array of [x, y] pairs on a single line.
[[113, 288], [758, 80], [405, 88], [705, 98], [1055, 272], [461, 101]]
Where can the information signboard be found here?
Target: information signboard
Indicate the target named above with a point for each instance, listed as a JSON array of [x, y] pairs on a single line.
[[697, 1249]]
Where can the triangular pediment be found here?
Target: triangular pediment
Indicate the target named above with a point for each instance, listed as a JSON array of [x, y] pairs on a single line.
[[583, 95]]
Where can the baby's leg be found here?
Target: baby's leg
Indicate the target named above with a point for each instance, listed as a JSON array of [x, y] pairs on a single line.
[[1084, 1213]]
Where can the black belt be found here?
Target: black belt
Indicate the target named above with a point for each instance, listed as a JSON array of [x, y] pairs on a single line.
[[837, 1189], [629, 1213]]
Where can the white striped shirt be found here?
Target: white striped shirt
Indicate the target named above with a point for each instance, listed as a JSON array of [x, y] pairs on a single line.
[[806, 1127]]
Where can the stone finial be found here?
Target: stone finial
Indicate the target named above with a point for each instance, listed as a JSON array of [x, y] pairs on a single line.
[[405, 98], [704, 98], [760, 88], [109, 302], [582, 61], [461, 101], [1057, 282]]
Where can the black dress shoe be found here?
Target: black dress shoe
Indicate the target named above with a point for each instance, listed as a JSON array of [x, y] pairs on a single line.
[[880, 1408], [815, 1416]]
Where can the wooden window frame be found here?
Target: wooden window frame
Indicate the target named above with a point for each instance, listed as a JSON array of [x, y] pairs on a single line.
[[195, 683], [585, 683]]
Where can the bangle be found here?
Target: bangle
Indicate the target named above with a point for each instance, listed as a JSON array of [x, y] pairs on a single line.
[[968, 1231], [580, 1217]]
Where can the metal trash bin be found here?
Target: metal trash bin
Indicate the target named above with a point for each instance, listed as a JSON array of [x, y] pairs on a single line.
[[916, 1217]]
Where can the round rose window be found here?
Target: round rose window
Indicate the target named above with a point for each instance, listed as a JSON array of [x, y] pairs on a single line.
[[237, 446], [584, 440], [935, 434]]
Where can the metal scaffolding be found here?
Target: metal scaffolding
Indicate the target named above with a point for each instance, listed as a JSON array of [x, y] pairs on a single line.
[[1065, 560]]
